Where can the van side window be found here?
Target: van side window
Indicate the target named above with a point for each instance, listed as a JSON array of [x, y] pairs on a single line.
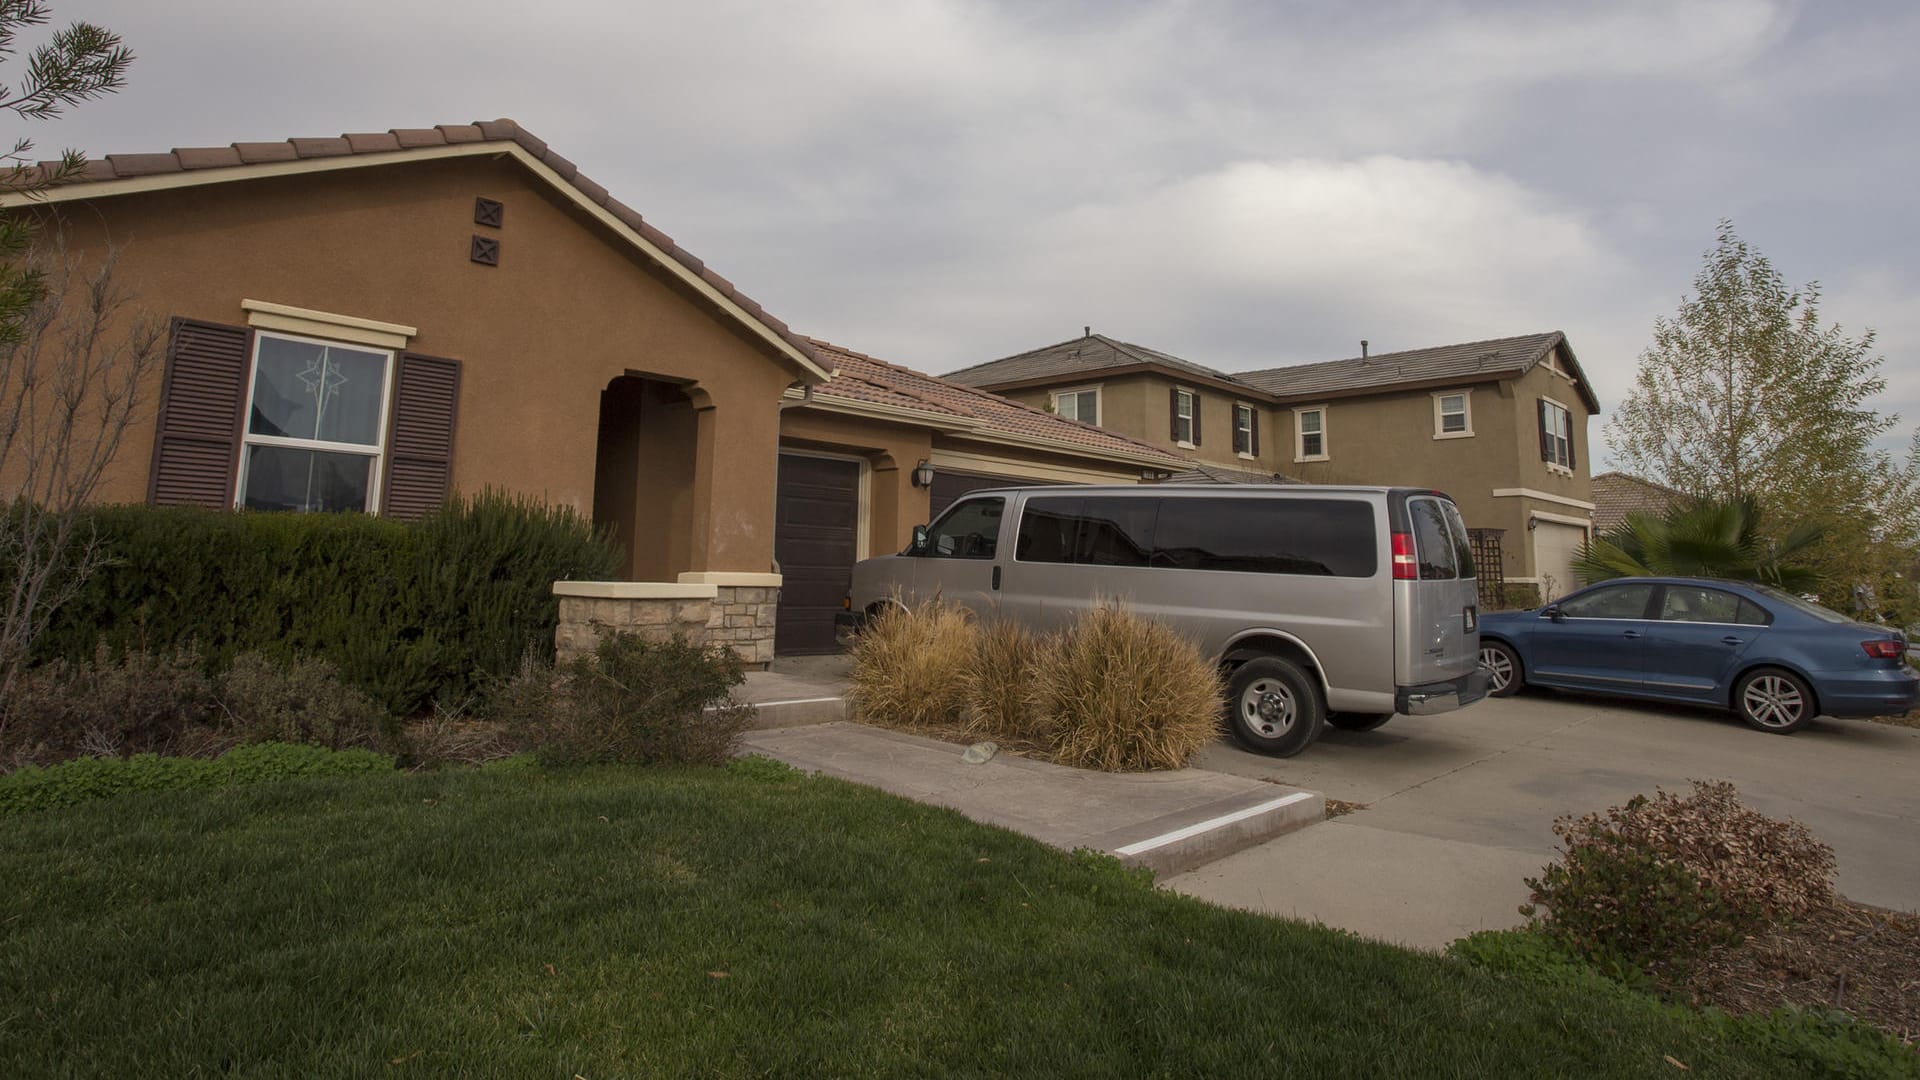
[[970, 530], [1433, 541], [1097, 531], [1322, 537]]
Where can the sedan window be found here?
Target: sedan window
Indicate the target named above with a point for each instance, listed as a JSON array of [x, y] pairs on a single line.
[[1693, 603], [1610, 602]]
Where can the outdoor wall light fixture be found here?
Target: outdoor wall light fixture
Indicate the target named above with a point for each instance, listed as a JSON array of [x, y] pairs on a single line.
[[1532, 523], [923, 474]]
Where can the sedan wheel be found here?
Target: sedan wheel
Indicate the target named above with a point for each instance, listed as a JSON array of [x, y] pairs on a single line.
[[1503, 669], [1774, 701]]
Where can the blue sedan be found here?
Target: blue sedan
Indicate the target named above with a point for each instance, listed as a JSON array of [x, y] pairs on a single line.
[[1773, 658]]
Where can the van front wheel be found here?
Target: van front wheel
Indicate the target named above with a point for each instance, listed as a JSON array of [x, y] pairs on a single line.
[[1274, 707]]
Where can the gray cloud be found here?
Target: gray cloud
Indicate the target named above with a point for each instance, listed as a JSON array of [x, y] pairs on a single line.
[[940, 182]]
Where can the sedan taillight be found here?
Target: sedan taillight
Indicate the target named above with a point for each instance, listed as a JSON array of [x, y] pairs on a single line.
[[1884, 649]]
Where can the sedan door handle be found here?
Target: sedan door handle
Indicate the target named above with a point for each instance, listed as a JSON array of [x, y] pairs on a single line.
[[1631, 635], [1731, 640]]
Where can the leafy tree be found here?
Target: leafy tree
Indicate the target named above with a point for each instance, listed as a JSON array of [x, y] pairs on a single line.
[[1721, 539], [78, 63], [1745, 393]]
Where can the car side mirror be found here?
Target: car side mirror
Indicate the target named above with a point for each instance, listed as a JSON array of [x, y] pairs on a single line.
[[1553, 612], [919, 545]]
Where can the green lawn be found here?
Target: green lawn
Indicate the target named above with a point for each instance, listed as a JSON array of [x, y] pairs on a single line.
[[614, 922]]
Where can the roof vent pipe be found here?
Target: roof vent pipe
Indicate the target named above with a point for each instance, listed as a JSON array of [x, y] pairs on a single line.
[[1363, 348], [1087, 331]]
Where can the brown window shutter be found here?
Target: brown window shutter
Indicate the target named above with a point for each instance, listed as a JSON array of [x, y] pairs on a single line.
[[1253, 432], [426, 399], [1173, 414], [1570, 461], [1546, 440], [196, 442], [1196, 418]]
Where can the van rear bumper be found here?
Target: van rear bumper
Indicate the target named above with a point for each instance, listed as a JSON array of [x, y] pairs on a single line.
[[1438, 697]]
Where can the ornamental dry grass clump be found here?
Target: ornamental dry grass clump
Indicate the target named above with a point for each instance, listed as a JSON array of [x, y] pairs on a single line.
[[1000, 685], [1658, 881], [1124, 693], [911, 669]]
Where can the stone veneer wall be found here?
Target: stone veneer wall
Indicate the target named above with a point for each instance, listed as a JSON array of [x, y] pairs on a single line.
[[739, 617]]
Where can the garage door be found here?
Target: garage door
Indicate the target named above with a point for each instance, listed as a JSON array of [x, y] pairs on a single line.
[[816, 539], [948, 486], [1554, 546]]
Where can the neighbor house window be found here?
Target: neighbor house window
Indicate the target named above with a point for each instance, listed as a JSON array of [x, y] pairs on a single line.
[[1186, 417], [1310, 434], [1081, 405], [1556, 435], [1452, 415], [1246, 431], [316, 420]]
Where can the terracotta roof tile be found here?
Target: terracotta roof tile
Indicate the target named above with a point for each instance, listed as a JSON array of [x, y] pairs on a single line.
[[372, 142], [1615, 495], [207, 157], [122, 166], [863, 378], [143, 164]]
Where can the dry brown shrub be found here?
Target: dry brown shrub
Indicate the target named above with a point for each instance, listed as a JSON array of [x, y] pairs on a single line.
[[1000, 685], [1123, 693], [137, 702], [1777, 866], [911, 669]]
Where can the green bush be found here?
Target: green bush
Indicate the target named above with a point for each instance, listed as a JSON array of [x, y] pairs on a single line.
[[87, 779], [409, 612], [137, 702], [630, 701]]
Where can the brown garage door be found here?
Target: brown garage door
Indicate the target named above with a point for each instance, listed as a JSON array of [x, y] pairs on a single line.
[[816, 540], [948, 486]]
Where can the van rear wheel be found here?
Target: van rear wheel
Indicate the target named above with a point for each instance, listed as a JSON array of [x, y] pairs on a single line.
[[1357, 721], [1274, 707]]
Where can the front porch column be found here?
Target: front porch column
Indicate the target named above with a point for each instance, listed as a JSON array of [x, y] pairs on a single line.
[[737, 451]]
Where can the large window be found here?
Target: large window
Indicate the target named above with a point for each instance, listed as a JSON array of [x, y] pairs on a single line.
[[1246, 431], [1186, 418], [1310, 434], [1081, 405], [1316, 537], [1556, 434], [316, 423]]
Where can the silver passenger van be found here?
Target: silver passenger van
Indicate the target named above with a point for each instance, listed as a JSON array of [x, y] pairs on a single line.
[[1324, 605]]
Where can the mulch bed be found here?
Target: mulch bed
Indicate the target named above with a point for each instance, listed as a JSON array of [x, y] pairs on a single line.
[[1860, 959], [1911, 719], [1338, 807]]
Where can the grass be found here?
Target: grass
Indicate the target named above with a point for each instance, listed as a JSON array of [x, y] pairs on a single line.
[[738, 921]]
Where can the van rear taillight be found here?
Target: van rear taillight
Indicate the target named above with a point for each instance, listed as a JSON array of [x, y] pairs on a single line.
[[1884, 649], [1405, 567]]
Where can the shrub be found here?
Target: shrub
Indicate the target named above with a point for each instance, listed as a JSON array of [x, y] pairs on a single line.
[[302, 700], [1120, 692], [1658, 881], [911, 669], [999, 683], [630, 701], [408, 612], [137, 701], [73, 782]]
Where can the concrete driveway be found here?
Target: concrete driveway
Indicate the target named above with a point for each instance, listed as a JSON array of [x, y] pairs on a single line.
[[1460, 807]]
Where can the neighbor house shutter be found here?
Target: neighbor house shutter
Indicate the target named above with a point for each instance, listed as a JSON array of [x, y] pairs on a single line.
[[1253, 431], [196, 441], [426, 399], [1196, 418], [1546, 437], [1173, 414], [1570, 461]]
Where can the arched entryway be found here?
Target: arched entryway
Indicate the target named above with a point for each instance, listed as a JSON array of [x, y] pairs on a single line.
[[643, 482]]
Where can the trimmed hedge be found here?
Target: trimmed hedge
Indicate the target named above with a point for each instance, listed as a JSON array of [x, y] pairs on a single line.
[[84, 780], [409, 612]]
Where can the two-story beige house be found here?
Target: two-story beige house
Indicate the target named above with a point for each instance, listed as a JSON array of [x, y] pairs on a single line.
[[1500, 425]]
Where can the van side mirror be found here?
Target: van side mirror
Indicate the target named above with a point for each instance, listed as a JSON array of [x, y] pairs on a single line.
[[1552, 611], [919, 545]]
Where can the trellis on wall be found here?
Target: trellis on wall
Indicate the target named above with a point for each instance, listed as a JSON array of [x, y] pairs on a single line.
[[1489, 567]]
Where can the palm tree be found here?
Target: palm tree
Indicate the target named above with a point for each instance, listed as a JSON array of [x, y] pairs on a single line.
[[1718, 538]]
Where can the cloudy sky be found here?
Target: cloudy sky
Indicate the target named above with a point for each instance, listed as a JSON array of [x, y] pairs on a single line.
[[939, 182]]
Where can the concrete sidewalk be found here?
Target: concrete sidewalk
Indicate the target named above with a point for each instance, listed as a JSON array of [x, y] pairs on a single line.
[[1168, 821], [797, 690]]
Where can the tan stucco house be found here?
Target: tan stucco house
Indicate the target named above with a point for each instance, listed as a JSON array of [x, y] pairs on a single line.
[[370, 322], [1500, 425]]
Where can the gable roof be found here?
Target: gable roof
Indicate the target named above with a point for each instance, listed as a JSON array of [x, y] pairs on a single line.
[[1081, 356], [889, 391], [1469, 361], [118, 174], [1616, 494]]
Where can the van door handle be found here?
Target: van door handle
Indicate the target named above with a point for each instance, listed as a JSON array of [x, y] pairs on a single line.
[[1632, 635], [996, 577], [1731, 640]]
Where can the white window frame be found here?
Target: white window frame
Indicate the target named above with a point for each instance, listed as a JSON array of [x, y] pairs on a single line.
[[1099, 406], [1241, 408], [1300, 437], [1190, 398], [377, 451], [1554, 466], [1440, 414]]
